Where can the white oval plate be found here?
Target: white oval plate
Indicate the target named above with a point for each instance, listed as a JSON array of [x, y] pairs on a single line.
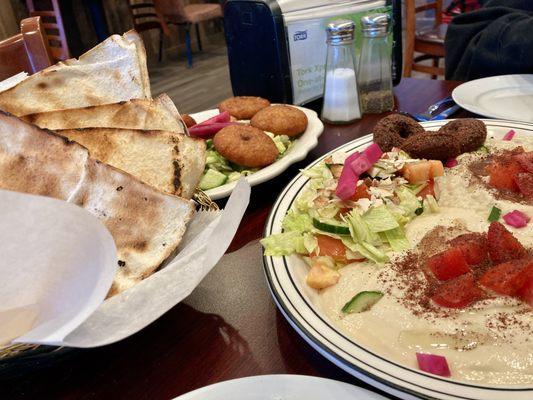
[[505, 96], [281, 387], [297, 302], [302, 145]]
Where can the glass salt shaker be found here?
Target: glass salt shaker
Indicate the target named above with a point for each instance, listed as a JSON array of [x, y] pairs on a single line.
[[341, 98], [375, 72]]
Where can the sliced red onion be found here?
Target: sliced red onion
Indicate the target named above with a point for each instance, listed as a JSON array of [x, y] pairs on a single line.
[[219, 118], [509, 135], [348, 179], [451, 162], [516, 219], [354, 166], [361, 164], [433, 364], [208, 130], [373, 153]]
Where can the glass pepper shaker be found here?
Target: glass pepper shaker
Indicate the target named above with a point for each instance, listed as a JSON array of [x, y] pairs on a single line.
[[375, 72], [341, 98]]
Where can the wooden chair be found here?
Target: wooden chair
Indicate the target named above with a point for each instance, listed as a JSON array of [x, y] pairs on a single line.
[[27, 51], [146, 17], [55, 30], [177, 13], [429, 42]]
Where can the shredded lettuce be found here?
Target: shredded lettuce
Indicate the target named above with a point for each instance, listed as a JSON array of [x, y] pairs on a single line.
[[380, 219], [284, 244], [328, 212], [397, 239], [304, 202], [408, 201], [372, 253], [297, 222], [310, 242], [359, 230], [430, 205]]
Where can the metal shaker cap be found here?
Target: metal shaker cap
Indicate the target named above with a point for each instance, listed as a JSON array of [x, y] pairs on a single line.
[[340, 31], [375, 25]]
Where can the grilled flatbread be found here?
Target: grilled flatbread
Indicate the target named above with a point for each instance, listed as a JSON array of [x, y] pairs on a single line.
[[113, 71], [147, 114], [147, 225], [170, 162]]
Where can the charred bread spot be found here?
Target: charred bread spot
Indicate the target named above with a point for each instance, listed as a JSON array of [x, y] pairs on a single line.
[[177, 172], [120, 188], [121, 263]]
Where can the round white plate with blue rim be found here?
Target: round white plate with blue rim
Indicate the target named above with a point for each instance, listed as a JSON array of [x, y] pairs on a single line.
[[302, 145], [281, 387], [299, 304], [504, 96]]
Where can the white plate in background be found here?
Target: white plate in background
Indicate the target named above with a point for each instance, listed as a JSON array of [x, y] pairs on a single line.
[[302, 145], [281, 387], [505, 96]]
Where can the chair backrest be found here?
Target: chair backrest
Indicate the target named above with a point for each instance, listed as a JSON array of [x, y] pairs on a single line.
[[146, 17], [52, 22], [411, 9], [171, 8], [27, 51]]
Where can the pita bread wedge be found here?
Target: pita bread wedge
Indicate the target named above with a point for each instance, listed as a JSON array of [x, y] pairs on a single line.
[[147, 114], [146, 224], [38, 162], [111, 72], [170, 162]]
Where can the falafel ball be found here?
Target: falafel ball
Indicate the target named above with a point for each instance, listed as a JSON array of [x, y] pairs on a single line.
[[392, 130], [243, 107], [471, 133], [246, 146], [281, 120], [188, 120], [432, 146]]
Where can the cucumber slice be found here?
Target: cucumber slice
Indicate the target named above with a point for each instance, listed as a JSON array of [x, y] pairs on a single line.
[[212, 179], [362, 301], [495, 214], [331, 227]]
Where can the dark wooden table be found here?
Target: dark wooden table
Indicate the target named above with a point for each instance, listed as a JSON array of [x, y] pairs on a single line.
[[228, 329]]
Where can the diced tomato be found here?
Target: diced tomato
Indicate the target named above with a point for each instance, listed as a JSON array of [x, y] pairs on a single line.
[[458, 292], [503, 246], [473, 246], [448, 264], [422, 171], [507, 278], [525, 160], [525, 293], [502, 172], [334, 248], [428, 190], [524, 181], [361, 192]]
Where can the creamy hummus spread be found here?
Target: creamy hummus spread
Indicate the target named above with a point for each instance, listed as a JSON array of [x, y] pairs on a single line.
[[489, 342]]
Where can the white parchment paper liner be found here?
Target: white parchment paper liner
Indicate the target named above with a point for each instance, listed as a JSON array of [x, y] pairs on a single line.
[[208, 236]]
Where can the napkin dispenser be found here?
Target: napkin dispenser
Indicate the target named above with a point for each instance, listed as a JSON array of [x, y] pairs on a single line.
[[277, 49]]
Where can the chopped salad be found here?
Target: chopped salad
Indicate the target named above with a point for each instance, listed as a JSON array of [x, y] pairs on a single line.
[[354, 208]]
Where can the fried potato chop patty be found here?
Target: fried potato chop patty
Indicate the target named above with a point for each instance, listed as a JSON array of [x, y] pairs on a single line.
[[246, 146]]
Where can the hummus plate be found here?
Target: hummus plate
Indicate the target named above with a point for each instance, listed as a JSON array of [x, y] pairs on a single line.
[[308, 313]]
